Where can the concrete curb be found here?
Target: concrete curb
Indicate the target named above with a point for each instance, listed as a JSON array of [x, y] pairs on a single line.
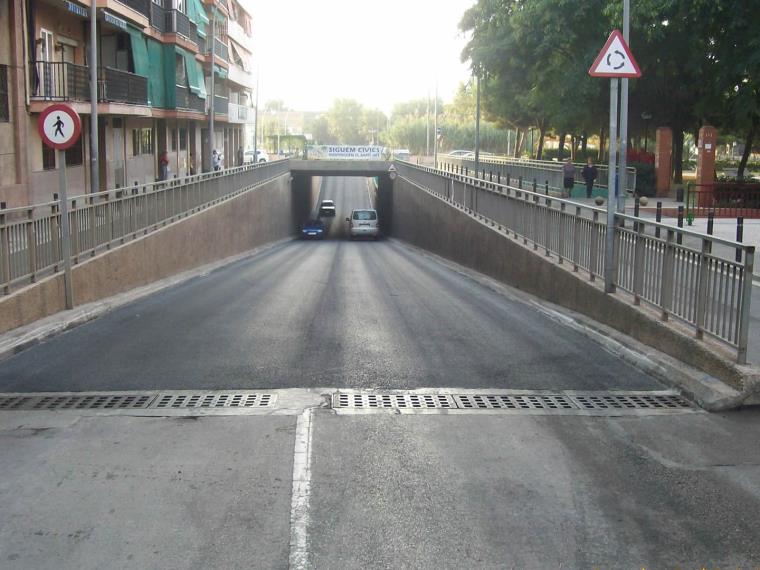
[[706, 391], [21, 338]]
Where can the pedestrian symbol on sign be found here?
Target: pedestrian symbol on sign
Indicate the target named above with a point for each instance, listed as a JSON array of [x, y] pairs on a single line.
[[58, 126]]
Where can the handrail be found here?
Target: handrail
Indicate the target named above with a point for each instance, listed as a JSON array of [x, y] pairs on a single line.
[[701, 280]]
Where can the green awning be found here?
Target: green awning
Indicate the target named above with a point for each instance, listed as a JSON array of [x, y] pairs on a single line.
[[197, 13], [139, 51], [156, 79], [192, 71], [201, 79], [220, 71]]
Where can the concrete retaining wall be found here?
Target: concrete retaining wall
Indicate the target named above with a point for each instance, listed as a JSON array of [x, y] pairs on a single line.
[[431, 223], [261, 215]]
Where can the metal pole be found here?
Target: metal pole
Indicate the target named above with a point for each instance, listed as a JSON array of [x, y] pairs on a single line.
[[63, 208], [256, 121], [211, 137], [94, 173], [427, 126], [624, 116], [609, 244], [477, 125], [435, 129]]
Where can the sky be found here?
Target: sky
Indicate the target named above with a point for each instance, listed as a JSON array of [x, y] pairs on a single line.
[[380, 53]]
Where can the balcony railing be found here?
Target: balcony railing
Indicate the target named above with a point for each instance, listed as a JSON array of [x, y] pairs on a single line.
[[221, 105], [141, 6], [63, 81], [177, 22], [238, 113], [158, 17], [221, 49], [186, 99]]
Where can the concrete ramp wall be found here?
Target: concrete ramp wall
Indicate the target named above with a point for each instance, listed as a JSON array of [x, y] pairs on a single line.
[[430, 222], [261, 215]]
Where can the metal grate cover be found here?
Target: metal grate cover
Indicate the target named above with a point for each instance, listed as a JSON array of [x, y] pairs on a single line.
[[76, 402], [516, 402], [630, 401], [210, 400], [111, 401], [577, 402], [395, 401]]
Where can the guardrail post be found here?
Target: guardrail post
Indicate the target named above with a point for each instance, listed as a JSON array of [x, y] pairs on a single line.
[[680, 225], [55, 237], [658, 219], [666, 285], [594, 253], [108, 219], [638, 262], [519, 182], [535, 232], [546, 188], [535, 186], [498, 177], [561, 232], [702, 275], [74, 215], [576, 238], [5, 243], [94, 226], [749, 267], [739, 237], [31, 246]]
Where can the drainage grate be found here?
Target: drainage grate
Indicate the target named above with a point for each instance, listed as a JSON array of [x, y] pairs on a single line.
[[411, 401], [573, 402], [210, 400], [630, 401], [514, 402], [77, 402]]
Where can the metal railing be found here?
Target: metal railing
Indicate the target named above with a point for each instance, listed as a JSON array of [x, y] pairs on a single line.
[[723, 199], [221, 105], [140, 6], [238, 112], [30, 238], [63, 81], [221, 49], [186, 99], [177, 22], [543, 171], [703, 281], [158, 17]]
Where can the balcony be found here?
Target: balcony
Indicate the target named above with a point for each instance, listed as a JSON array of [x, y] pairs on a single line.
[[188, 100], [236, 33], [221, 49], [237, 113], [177, 22], [141, 6], [221, 105], [62, 81], [158, 17]]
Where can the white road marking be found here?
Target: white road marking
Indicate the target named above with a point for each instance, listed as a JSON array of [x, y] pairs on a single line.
[[299, 504]]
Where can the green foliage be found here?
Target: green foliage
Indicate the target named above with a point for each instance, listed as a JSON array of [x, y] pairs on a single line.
[[645, 178]]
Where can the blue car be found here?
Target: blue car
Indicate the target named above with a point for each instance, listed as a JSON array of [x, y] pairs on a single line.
[[313, 229]]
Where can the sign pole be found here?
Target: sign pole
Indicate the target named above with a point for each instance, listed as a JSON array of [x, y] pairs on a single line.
[[609, 244], [63, 208], [623, 177]]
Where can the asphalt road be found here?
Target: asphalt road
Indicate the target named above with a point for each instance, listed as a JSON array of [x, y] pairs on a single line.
[[332, 313], [325, 488]]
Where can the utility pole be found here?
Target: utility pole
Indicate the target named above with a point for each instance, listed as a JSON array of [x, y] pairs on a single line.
[[435, 127], [211, 137], [427, 126], [94, 172], [622, 177], [477, 124], [256, 121]]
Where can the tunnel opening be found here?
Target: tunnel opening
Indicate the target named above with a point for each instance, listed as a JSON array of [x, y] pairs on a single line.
[[342, 207]]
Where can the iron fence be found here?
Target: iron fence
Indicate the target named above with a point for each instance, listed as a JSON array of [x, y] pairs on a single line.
[[702, 281], [63, 81], [723, 199], [31, 238], [542, 171]]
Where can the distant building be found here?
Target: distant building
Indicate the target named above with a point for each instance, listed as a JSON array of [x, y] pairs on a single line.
[[154, 71]]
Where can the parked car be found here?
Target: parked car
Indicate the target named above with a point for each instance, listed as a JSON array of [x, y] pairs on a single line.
[[363, 223], [327, 209], [457, 153], [402, 154], [313, 229], [261, 156]]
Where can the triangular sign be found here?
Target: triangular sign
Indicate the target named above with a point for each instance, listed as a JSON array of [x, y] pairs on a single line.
[[615, 59]]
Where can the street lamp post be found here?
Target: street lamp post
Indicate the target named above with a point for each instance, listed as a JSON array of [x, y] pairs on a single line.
[[477, 124]]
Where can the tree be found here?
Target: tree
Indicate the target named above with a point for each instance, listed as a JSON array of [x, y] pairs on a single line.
[[345, 122]]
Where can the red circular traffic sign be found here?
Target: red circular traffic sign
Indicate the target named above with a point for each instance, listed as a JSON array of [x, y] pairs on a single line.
[[59, 126]]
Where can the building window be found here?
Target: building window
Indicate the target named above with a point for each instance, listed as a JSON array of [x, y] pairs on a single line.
[[183, 139], [179, 68], [142, 141], [74, 154], [174, 140], [4, 111], [48, 157]]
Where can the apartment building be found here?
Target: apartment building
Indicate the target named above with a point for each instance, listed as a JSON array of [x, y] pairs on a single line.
[[154, 89]]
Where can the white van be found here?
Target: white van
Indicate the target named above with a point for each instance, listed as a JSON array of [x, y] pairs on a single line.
[[363, 223]]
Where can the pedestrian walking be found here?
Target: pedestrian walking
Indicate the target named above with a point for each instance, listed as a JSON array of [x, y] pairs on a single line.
[[216, 160], [568, 175], [589, 174], [192, 164], [163, 166], [240, 156]]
